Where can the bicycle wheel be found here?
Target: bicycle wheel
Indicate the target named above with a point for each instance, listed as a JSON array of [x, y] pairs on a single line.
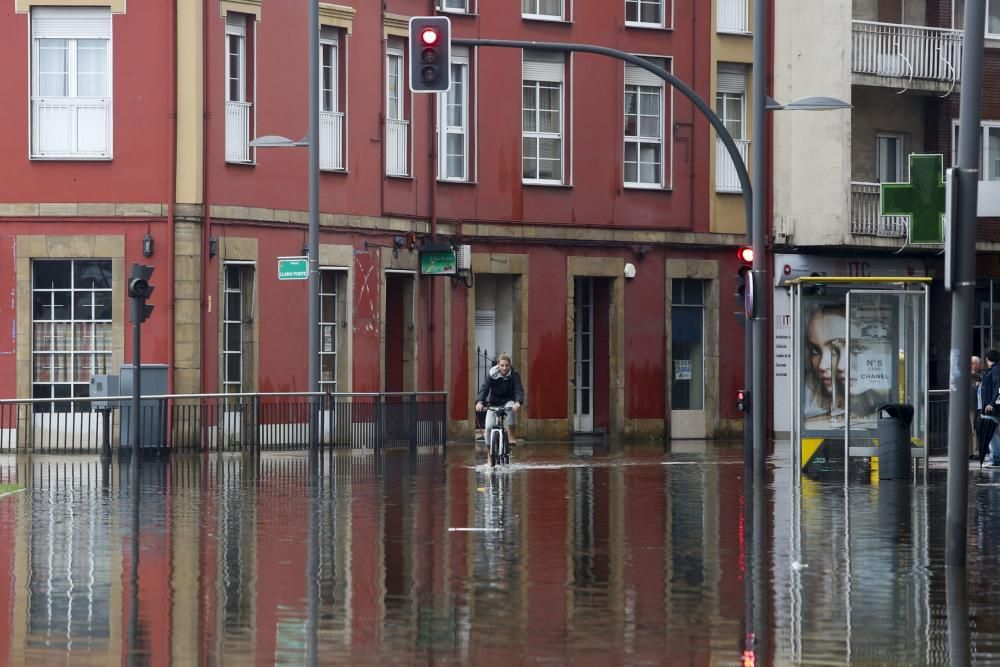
[[504, 448], [494, 451]]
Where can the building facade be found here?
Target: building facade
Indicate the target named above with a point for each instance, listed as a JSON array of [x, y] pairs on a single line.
[[590, 200]]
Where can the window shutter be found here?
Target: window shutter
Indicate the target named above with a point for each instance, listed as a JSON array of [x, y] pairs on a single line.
[[731, 80], [460, 55], [543, 66], [71, 22], [236, 24], [637, 76], [329, 34]]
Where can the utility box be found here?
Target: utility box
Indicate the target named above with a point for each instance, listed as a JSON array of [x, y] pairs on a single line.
[[103, 386], [152, 411]]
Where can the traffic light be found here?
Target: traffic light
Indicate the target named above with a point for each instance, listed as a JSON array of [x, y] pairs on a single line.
[[140, 289], [745, 254], [430, 54], [743, 400], [745, 285]]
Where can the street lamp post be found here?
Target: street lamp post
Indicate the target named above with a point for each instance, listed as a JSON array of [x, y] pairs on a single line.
[[312, 141]]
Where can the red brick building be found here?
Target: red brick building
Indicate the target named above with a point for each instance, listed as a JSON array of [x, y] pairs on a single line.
[[585, 190]]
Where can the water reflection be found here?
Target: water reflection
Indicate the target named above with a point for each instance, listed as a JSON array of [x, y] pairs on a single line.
[[605, 556]]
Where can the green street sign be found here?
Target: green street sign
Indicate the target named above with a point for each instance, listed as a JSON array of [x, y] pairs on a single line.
[[922, 199], [293, 268], [437, 263]]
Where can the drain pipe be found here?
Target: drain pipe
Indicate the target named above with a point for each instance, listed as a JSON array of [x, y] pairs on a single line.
[[206, 224], [171, 195]]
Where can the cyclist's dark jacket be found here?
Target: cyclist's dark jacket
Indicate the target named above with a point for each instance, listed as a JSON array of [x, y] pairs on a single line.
[[501, 389]]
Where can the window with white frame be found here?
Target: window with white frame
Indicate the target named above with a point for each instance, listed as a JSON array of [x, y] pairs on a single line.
[[644, 12], [397, 133], [732, 16], [70, 327], [238, 96], [453, 121], [237, 320], [332, 317], [331, 118], [992, 16], [989, 149], [457, 6], [542, 9], [644, 126], [730, 98], [542, 117], [71, 103]]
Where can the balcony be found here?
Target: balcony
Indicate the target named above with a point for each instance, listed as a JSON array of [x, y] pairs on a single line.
[[726, 179], [71, 127], [331, 140], [865, 218], [238, 132], [906, 56]]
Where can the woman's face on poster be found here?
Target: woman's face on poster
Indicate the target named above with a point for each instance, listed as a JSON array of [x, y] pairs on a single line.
[[825, 338]]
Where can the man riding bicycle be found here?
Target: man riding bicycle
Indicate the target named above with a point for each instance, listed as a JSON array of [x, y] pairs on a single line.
[[502, 388]]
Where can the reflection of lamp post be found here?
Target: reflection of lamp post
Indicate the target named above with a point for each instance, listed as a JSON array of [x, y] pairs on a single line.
[[761, 104], [312, 141]]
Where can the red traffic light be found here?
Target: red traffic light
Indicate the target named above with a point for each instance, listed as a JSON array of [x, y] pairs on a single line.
[[745, 254], [429, 36]]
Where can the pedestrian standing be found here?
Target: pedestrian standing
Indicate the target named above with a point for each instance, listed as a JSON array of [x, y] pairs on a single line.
[[975, 406], [989, 397]]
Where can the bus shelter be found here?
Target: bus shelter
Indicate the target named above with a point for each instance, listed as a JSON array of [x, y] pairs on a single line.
[[858, 344]]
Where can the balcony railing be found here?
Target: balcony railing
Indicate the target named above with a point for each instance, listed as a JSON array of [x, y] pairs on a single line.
[[238, 131], [732, 16], [725, 171], [907, 51], [331, 140], [865, 218], [71, 127], [396, 141]]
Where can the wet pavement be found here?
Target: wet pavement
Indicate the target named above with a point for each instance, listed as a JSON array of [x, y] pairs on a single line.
[[582, 554]]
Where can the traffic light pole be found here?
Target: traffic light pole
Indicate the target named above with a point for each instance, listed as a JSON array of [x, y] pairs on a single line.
[[753, 429], [755, 327], [313, 336], [138, 305]]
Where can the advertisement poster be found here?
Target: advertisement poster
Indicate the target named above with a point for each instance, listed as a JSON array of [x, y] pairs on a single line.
[[827, 393]]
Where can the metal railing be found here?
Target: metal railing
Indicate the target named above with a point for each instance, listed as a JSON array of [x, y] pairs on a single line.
[[238, 131], [331, 140], [71, 126], [865, 218], [726, 179], [224, 422], [396, 140], [897, 50], [732, 16]]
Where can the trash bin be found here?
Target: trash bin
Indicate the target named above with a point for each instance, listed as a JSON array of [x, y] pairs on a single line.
[[894, 421]]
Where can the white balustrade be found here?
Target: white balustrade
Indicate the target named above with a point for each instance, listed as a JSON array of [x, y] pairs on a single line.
[[892, 49], [865, 218], [238, 131], [331, 140], [396, 142], [71, 127], [726, 179], [732, 16]]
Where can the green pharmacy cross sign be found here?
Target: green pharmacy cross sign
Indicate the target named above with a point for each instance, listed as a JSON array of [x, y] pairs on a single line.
[[922, 199]]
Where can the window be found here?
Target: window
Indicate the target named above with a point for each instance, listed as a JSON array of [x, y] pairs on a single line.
[[992, 16], [542, 9], [71, 327], [396, 126], [732, 16], [332, 316], [331, 119], [237, 323], [542, 117], [889, 166], [458, 6], [453, 122], [989, 150], [238, 97], [687, 344], [730, 106], [644, 12], [644, 115], [71, 82]]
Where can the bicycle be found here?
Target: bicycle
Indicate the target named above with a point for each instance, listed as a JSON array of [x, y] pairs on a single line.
[[497, 441]]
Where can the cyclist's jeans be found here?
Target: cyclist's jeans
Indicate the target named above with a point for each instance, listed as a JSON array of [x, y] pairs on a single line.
[[491, 418]]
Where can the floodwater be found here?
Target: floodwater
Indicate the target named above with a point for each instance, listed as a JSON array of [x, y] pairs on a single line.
[[583, 555]]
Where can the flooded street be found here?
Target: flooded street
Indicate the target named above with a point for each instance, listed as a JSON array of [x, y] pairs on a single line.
[[572, 555]]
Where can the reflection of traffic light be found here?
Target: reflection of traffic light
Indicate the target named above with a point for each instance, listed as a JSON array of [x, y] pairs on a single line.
[[430, 54], [743, 400]]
